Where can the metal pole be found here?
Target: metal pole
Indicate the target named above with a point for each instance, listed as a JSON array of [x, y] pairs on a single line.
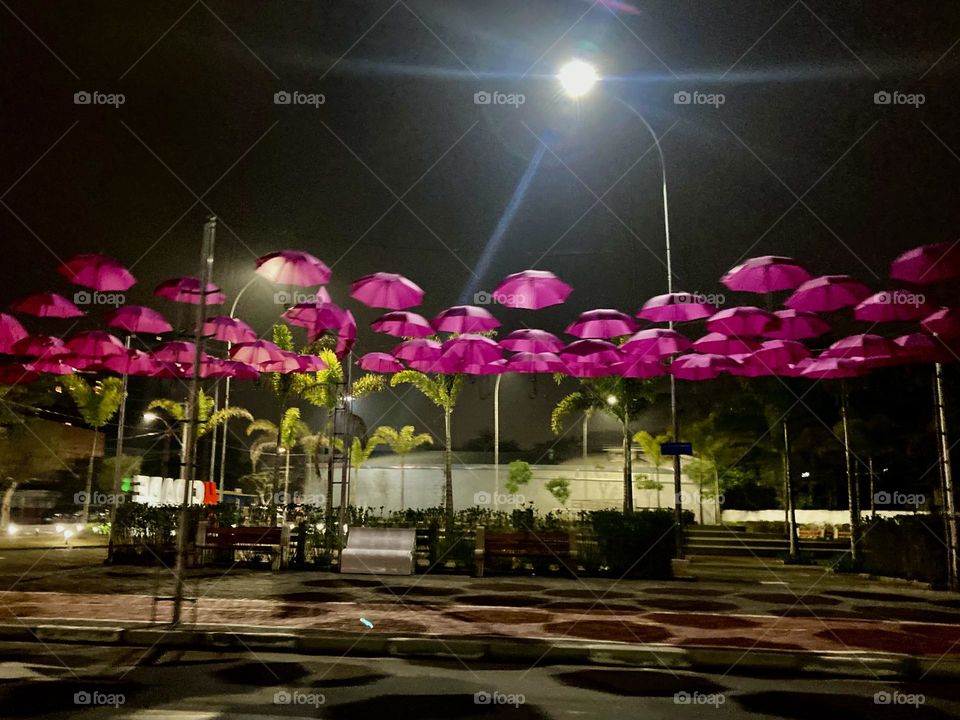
[[949, 497], [496, 437], [213, 436], [851, 495], [788, 485], [188, 464], [121, 427]]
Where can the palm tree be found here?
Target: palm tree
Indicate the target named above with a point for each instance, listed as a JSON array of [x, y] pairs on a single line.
[[622, 399], [292, 431], [359, 454], [443, 391], [650, 446], [97, 405], [402, 443]]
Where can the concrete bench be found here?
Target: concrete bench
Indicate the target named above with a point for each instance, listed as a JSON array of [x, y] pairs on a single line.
[[379, 551]]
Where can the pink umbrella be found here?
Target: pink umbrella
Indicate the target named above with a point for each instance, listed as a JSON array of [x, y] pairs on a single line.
[[315, 316], [387, 290], [831, 369], [595, 352], [311, 363], [52, 366], [403, 324], [536, 362], [532, 290], [133, 362], [752, 366], [715, 343], [40, 346], [944, 322], [796, 325], [864, 346], [676, 307], [288, 362], [766, 274], [603, 323], [638, 367], [346, 335], [256, 352], [470, 349], [426, 366], [138, 319], [10, 332], [380, 362], [588, 369], [655, 343], [828, 293], [465, 319], [700, 367], [418, 350], [49, 305], [780, 353], [746, 321], [892, 306], [187, 290], [176, 352], [293, 267], [95, 344], [920, 347], [228, 329], [239, 371], [97, 272], [496, 367], [928, 264], [531, 340]]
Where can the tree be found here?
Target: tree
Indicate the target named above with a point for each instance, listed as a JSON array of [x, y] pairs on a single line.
[[650, 446], [401, 443], [622, 399], [97, 405], [443, 391], [519, 475], [559, 488], [291, 432], [360, 453]]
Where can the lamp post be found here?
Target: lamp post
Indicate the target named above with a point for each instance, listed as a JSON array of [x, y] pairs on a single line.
[[577, 78]]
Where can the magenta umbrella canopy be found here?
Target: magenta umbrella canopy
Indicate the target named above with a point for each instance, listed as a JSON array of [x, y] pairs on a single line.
[[638, 367], [49, 305], [465, 319], [293, 267], [602, 324], [752, 366], [418, 350], [256, 352], [315, 316], [426, 366], [288, 362], [10, 332], [95, 344], [944, 322], [380, 362], [892, 306], [588, 368], [346, 335], [780, 353], [797, 325], [536, 362], [228, 329], [97, 272], [715, 343], [831, 368], [403, 324], [676, 307], [470, 349], [597, 352], [387, 290], [134, 362], [747, 321], [920, 347], [187, 290], [496, 367], [176, 352], [138, 319], [531, 290], [766, 274], [655, 343], [828, 293], [52, 366], [311, 363], [39, 346], [700, 367], [239, 371], [928, 264], [531, 340], [865, 346]]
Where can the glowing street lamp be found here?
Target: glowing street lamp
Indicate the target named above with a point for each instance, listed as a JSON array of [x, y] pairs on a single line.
[[577, 78]]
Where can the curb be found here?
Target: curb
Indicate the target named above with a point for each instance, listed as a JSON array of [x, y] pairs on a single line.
[[522, 651]]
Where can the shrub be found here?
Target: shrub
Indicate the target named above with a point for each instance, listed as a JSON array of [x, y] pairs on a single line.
[[906, 546], [638, 544], [520, 474], [560, 489]]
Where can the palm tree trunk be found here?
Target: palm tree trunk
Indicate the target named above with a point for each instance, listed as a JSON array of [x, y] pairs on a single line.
[[402, 504], [586, 422], [448, 464], [851, 491], [788, 492], [9, 488], [627, 464], [332, 442], [276, 469], [286, 482], [84, 517]]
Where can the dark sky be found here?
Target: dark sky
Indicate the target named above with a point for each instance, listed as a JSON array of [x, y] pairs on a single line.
[[799, 160]]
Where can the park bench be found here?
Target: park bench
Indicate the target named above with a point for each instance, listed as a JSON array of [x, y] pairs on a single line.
[[808, 532], [379, 551], [553, 547], [271, 540]]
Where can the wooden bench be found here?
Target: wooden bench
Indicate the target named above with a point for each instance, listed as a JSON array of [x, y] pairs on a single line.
[[551, 546], [379, 551], [272, 540], [807, 532]]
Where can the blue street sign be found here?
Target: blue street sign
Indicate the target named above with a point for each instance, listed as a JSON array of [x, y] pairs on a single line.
[[674, 448]]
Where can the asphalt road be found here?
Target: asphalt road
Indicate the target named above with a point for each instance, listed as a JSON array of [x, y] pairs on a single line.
[[78, 681]]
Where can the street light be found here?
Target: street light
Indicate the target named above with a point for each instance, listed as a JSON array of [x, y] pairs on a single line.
[[611, 400], [149, 417], [578, 78]]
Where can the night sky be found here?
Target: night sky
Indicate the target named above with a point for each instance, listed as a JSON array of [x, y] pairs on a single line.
[[400, 170]]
